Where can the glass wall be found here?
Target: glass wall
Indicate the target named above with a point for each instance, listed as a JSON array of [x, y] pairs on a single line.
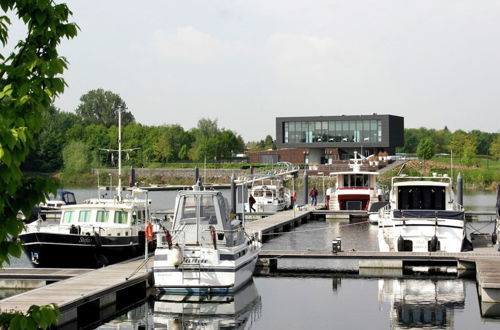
[[333, 131]]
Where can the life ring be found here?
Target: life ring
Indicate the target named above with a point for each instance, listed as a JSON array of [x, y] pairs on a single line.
[[149, 231]]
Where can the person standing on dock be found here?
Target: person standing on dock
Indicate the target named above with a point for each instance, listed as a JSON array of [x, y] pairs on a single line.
[[314, 196], [251, 202]]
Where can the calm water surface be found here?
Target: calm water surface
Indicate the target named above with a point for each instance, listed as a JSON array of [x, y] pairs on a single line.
[[321, 303]]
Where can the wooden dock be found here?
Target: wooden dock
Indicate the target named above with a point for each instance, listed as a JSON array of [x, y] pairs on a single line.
[[46, 274], [91, 296], [267, 227]]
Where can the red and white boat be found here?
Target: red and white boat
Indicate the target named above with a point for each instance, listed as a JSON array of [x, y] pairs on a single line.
[[354, 189]]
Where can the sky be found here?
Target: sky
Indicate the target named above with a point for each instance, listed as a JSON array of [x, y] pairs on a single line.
[[246, 62]]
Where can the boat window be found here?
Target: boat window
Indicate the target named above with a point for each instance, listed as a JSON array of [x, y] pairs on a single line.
[[207, 210], [102, 216], [269, 193], [258, 193], [68, 216], [120, 217], [188, 210], [69, 198], [84, 216]]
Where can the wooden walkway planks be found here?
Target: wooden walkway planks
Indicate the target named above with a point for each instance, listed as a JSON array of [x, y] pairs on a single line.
[[82, 288], [50, 274], [276, 222]]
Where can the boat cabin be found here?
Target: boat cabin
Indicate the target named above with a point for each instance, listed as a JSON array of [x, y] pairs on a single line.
[[63, 197], [201, 218], [84, 218]]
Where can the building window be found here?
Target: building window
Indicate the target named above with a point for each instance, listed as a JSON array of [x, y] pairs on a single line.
[[357, 131]]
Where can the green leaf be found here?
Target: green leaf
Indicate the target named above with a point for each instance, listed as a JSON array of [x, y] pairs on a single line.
[[40, 17]]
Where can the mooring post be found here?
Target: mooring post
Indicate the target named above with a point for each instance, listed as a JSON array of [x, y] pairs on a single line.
[[196, 175], [251, 170], [460, 189], [306, 187], [132, 176], [233, 194]]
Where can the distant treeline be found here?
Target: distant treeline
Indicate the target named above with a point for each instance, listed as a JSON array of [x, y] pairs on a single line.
[[75, 143], [459, 142]]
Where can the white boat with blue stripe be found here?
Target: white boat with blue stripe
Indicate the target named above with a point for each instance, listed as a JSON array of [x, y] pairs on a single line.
[[204, 251]]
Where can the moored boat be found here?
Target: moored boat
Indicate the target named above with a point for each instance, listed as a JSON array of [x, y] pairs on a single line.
[[270, 195], [354, 189], [422, 216], [204, 251]]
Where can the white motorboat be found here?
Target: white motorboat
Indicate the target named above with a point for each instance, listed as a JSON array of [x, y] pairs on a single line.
[[422, 303], [354, 190], [270, 195], [422, 216], [204, 251], [210, 311]]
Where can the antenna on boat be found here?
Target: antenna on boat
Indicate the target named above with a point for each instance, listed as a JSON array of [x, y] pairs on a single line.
[[119, 155]]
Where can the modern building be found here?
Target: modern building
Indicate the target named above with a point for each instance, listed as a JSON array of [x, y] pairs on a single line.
[[324, 139]]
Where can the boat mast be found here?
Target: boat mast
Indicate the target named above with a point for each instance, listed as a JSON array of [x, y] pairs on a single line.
[[119, 193]]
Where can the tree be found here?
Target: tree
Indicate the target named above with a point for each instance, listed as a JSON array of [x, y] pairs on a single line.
[[101, 107], [30, 79], [77, 158], [269, 142], [207, 128], [495, 147], [426, 149]]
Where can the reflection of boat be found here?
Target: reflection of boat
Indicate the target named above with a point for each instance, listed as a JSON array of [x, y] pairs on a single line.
[[205, 250], [95, 233], [228, 311], [270, 196], [354, 190], [422, 216], [422, 303]]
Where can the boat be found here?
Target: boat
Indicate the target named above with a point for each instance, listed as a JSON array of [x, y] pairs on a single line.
[[270, 194], [211, 311], [354, 189], [204, 251], [51, 209], [496, 231], [422, 216], [97, 232], [417, 303]]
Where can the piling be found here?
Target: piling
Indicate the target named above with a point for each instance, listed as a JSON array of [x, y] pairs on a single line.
[[132, 176], [233, 194], [306, 187], [460, 189], [196, 175]]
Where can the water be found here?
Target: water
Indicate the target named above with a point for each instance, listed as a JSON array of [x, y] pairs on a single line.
[[339, 301]]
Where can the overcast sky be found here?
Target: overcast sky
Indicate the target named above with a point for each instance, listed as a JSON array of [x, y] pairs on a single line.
[[246, 62]]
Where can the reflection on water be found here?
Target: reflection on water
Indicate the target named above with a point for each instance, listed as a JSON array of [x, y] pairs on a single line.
[[422, 303], [237, 311]]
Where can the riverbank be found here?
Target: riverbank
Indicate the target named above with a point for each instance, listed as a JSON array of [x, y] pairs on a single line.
[[482, 177]]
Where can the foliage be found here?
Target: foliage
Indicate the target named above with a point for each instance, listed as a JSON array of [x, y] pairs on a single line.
[[445, 141], [76, 157], [29, 81], [426, 149], [101, 107], [49, 142], [495, 148], [36, 317]]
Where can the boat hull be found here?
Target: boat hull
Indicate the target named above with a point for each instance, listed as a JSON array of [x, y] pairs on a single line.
[[450, 234], [79, 251], [226, 277]]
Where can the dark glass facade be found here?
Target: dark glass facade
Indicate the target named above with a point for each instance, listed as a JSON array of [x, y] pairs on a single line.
[[358, 131]]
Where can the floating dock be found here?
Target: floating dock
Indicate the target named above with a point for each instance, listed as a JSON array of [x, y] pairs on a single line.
[[87, 298]]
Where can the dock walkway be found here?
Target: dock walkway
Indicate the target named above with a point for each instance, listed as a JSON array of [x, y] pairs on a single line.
[[96, 290], [276, 223]]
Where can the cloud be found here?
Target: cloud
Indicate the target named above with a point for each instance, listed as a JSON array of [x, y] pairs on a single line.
[[188, 44]]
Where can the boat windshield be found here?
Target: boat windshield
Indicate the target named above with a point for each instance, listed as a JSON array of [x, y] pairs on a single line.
[[263, 193], [202, 204], [356, 180]]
